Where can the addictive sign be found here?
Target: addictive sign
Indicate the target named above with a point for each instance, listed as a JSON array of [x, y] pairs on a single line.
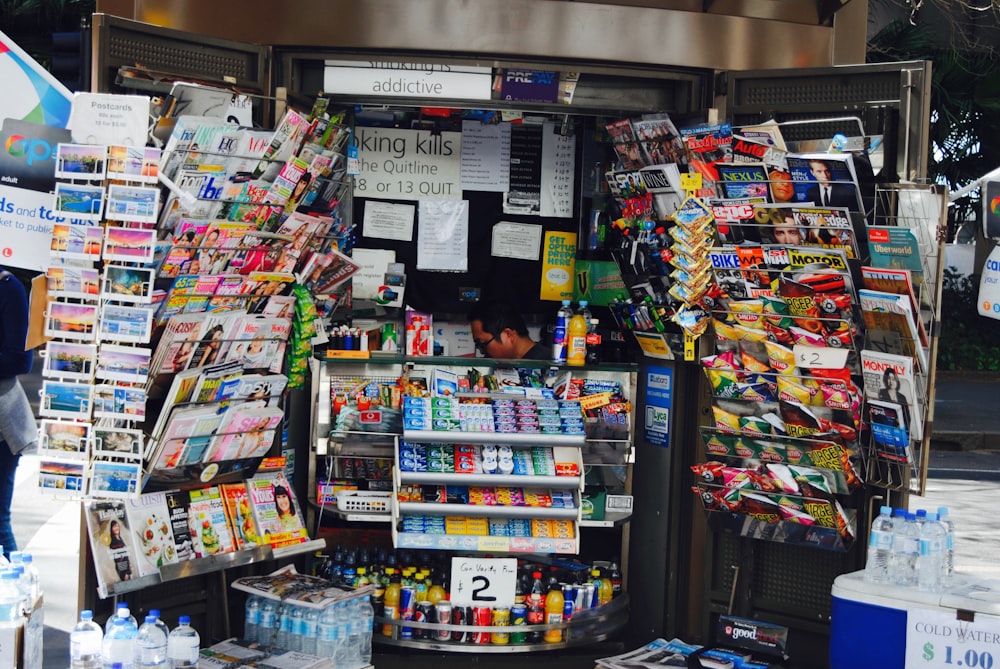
[[399, 79]]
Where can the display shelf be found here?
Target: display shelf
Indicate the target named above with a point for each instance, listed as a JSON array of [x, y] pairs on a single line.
[[511, 438], [585, 628], [488, 511], [485, 544], [611, 519], [785, 531], [492, 480]]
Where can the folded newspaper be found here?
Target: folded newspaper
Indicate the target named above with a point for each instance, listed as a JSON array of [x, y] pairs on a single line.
[[234, 653], [286, 584]]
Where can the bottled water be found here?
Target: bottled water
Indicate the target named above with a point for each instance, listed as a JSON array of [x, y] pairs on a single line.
[[930, 562], [296, 624], [119, 645], [252, 619], [879, 547], [10, 597], [343, 652], [122, 607], [310, 625], [152, 644], [85, 643], [284, 639], [3, 558], [327, 633], [366, 618], [183, 645], [32, 573], [268, 621], [905, 548], [159, 622], [353, 613], [921, 516], [949, 544], [22, 585]]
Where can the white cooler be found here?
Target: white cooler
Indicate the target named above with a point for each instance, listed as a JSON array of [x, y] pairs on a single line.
[[868, 620]]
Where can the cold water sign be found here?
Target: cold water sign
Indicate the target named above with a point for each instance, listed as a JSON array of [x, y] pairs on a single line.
[[408, 164], [659, 393]]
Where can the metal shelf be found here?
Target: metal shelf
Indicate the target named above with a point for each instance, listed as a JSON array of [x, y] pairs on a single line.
[[492, 480], [484, 511], [511, 438]]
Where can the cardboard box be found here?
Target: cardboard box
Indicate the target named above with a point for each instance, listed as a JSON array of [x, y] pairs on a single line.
[[21, 645]]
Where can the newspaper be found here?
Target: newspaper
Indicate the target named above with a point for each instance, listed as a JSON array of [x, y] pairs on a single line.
[[287, 584]]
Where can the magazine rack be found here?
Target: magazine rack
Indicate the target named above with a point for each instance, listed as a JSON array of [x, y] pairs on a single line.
[[921, 213]]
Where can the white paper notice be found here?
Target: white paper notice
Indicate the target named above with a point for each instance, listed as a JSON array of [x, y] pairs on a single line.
[[374, 264], [485, 156], [557, 173], [384, 220], [102, 118], [443, 237], [516, 240]]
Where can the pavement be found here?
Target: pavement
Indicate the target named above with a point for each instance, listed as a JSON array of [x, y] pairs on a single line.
[[965, 453]]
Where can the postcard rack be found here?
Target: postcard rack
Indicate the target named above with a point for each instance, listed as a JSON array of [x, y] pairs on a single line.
[[910, 221]]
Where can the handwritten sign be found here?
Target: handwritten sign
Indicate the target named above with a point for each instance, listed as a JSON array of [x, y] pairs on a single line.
[[483, 581], [819, 357]]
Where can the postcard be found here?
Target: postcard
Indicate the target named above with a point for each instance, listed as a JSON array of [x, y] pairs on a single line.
[[71, 321], [132, 203], [84, 162], [68, 360], [115, 479], [128, 284], [129, 244], [64, 439], [128, 403], [123, 363], [130, 324], [69, 281], [61, 476], [133, 163], [118, 441], [80, 241], [76, 201], [62, 399]]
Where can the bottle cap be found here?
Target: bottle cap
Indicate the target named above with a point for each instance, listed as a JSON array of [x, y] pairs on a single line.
[[887, 510], [184, 620], [942, 511], [86, 614], [150, 619]]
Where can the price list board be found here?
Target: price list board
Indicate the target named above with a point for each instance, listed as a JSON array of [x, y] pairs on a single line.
[[939, 640]]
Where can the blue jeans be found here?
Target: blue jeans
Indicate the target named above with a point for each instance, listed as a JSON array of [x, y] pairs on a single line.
[[8, 476]]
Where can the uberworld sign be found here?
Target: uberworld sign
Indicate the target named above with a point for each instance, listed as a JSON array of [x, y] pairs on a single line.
[[412, 80]]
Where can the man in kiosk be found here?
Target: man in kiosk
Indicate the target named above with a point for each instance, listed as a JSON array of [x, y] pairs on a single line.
[[498, 331]]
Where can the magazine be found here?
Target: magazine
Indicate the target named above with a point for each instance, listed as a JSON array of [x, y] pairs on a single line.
[[210, 533], [286, 584], [625, 144], [150, 520], [707, 146], [891, 325], [825, 180], [739, 180], [240, 516], [891, 378], [177, 507], [659, 141], [895, 247], [112, 543], [897, 281], [785, 223], [889, 431], [275, 509]]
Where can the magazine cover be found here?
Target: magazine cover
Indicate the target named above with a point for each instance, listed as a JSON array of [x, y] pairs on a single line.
[[150, 520], [624, 141], [240, 516], [111, 543], [207, 522], [275, 509], [890, 378], [825, 180], [895, 247], [177, 507], [708, 146], [659, 140], [891, 325], [787, 223], [889, 431], [738, 180], [236, 420]]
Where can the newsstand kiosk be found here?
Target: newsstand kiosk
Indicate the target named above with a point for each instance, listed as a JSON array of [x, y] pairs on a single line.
[[684, 565]]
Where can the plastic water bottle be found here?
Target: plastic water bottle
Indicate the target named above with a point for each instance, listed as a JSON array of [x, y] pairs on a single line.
[[23, 586], [152, 643], [10, 597], [343, 652], [3, 558], [122, 609], [183, 645], [879, 547], [905, 548], [284, 638], [252, 619], [310, 628], [85, 643], [268, 620], [560, 336], [327, 633], [32, 571], [29, 576], [159, 622], [366, 618], [119, 644], [296, 616], [949, 544], [930, 562]]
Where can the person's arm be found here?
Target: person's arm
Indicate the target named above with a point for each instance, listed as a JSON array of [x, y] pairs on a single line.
[[14, 360]]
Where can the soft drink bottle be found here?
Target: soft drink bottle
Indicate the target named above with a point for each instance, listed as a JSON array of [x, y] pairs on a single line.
[[536, 604], [576, 350], [554, 613], [930, 561], [152, 645], [183, 645], [561, 332], [85, 643], [391, 602], [949, 544], [879, 547]]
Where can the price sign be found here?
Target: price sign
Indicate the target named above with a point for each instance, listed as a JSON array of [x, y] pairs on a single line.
[[483, 581], [936, 639], [691, 181], [820, 357]]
